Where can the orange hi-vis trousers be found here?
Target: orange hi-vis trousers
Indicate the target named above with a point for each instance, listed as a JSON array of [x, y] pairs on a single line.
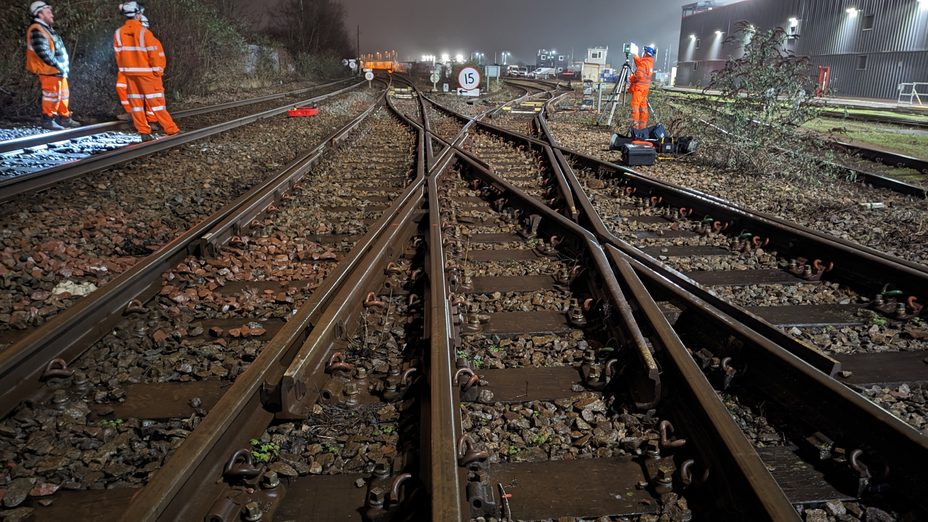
[[122, 90], [639, 107], [148, 88], [55, 96]]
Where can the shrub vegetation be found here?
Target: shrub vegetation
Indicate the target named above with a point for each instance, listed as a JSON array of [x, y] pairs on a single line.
[[209, 44]]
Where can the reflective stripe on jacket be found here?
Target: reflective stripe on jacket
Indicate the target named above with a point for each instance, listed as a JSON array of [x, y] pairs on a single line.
[[41, 51], [136, 51], [643, 68]]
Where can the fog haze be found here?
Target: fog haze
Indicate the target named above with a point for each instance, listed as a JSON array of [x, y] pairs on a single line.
[[417, 27]]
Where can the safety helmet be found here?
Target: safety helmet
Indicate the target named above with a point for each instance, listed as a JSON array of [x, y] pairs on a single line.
[[130, 9], [144, 21], [35, 7], [649, 51]]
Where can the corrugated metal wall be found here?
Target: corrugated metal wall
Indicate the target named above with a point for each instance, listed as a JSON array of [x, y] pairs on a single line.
[[896, 47]]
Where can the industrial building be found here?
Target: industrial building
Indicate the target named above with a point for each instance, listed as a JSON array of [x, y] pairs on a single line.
[[862, 48]]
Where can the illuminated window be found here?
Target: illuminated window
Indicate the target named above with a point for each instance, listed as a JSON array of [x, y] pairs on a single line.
[[868, 22], [861, 63]]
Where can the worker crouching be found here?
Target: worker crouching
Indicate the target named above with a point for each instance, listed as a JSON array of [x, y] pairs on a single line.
[[141, 62], [640, 85]]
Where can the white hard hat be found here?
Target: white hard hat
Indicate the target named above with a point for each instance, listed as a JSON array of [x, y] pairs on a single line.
[[131, 9], [144, 21], [35, 7]]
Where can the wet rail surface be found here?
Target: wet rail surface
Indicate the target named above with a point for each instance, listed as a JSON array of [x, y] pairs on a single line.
[[457, 352]]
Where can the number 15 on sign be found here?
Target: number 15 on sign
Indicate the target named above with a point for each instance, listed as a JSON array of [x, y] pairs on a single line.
[[469, 78]]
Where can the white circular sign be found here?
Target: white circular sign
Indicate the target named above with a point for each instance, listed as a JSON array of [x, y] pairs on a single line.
[[469, 78], [352, 65], [368, 76]]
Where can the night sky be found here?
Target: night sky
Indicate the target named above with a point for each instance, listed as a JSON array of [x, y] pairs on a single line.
[[522, 27]]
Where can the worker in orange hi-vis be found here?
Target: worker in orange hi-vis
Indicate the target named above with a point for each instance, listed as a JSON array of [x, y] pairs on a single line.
[[48, 59], [122, 88], [141, 61], [640, 83]]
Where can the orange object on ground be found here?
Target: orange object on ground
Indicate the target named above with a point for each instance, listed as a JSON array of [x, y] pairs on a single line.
[[303, 111]]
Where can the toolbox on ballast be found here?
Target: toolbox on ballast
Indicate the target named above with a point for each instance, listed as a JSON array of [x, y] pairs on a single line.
[[637, 154]]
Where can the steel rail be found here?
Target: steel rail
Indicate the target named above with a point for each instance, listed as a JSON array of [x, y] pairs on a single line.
[[849, 419], [10, 188], [789, 366], [305, 361], [590, 219], [745, 472], [199, 461], [86, 130], [201, 458], [887, 158], [864, 266], [444, 426], [73, 331]]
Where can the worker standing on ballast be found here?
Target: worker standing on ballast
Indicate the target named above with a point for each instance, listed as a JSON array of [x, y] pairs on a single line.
[[48, 59], [141, 60], [122, 88], [640, 83]]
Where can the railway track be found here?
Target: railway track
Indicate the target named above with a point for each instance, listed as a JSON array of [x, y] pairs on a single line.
[[427, 318], [41, 161], [666, 225], [97, 226]]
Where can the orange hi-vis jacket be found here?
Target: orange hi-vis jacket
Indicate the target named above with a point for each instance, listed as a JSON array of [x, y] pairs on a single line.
[[643, 69], [138, 52], [33, 62]]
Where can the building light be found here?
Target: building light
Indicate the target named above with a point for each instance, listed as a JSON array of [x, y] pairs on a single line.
[[718, 33], [793, 22], [692, 37], [852, 11]]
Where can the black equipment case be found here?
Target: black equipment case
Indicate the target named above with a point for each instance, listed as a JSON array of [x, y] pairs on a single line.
[[634, 155]]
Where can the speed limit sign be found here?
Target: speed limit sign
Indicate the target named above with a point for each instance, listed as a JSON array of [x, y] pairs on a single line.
[[368, 76], [469, 78]]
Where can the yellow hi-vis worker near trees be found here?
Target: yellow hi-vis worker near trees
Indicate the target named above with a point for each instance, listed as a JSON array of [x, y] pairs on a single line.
[[142, 62], [640, 83], [48, 59]]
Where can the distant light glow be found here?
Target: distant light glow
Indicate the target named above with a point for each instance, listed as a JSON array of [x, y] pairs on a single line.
[[459, 57], [793, 21], [692, 37], [718, 33], [852, 11], [445, 57]]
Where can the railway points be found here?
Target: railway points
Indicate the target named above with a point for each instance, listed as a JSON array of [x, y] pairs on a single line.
[[420, 312]]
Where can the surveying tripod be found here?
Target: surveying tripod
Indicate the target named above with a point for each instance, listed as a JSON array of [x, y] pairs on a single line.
[[620, 86]]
